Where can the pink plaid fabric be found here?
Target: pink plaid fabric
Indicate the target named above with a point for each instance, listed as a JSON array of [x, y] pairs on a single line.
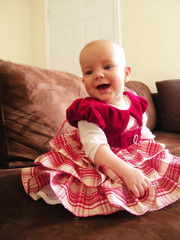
[[65, 175]]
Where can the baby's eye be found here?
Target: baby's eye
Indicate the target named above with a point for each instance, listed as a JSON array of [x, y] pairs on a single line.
[[108, 67], [88, 72]]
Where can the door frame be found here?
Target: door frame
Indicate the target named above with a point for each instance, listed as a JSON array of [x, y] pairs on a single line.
[[117, 27]]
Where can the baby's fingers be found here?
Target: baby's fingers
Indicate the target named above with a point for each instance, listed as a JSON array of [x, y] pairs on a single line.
[[135, 191], [145, 184], [140, 189]]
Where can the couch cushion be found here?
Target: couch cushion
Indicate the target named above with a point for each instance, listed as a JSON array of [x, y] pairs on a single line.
[[142, 90], [170, 139], [33, 104], [169, 102], [22, 218]]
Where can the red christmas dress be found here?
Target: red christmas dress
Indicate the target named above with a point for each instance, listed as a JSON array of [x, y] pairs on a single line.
[[66, 175]]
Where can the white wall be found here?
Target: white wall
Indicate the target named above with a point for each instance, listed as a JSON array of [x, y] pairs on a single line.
[[15, 29], [38, 33], [151, 39], [150, 33], [22, 31]]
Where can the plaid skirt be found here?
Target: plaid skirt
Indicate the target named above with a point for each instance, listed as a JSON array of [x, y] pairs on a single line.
[[65, 175]]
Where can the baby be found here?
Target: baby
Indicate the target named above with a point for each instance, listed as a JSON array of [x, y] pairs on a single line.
[[105, 71], [110, 161]]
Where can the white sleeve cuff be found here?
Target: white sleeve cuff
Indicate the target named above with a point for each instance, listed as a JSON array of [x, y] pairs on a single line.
[[91, 137]]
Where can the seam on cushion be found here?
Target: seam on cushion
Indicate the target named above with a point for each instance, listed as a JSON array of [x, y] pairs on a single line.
[[4, 138]]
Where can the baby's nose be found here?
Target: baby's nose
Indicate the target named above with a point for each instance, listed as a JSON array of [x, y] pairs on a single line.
[[99, 75]]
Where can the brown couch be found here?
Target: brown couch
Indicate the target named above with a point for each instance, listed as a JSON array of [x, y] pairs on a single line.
[[33, 103]]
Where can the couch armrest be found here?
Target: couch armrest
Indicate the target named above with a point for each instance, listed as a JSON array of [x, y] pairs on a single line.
[[169, 104], [142, 90]]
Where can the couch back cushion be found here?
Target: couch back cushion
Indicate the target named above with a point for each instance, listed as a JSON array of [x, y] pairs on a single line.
[[169, 104], [33, 103], [33, 106]]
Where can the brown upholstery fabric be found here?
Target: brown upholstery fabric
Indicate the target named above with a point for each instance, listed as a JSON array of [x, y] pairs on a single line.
[[33, 103], [169, 102], [22, 218], [170, 139], [142, 90]]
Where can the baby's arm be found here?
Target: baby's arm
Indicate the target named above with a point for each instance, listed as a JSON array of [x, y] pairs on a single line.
[[96, 147], [134, 178]]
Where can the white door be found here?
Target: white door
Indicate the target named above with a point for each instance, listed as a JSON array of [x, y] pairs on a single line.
[[73, 23]]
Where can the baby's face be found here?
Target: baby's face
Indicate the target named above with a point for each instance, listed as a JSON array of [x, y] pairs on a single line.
[[103, 66]]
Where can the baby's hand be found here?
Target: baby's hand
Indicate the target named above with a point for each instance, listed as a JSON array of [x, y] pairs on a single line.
[[136, 181]]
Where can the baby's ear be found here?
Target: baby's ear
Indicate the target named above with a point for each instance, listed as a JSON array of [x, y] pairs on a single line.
[[127, 71]]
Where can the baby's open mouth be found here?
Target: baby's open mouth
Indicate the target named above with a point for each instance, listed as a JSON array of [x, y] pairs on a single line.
[[103, 86]]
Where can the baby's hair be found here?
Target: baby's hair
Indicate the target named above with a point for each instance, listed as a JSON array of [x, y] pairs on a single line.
[[120, 49]]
